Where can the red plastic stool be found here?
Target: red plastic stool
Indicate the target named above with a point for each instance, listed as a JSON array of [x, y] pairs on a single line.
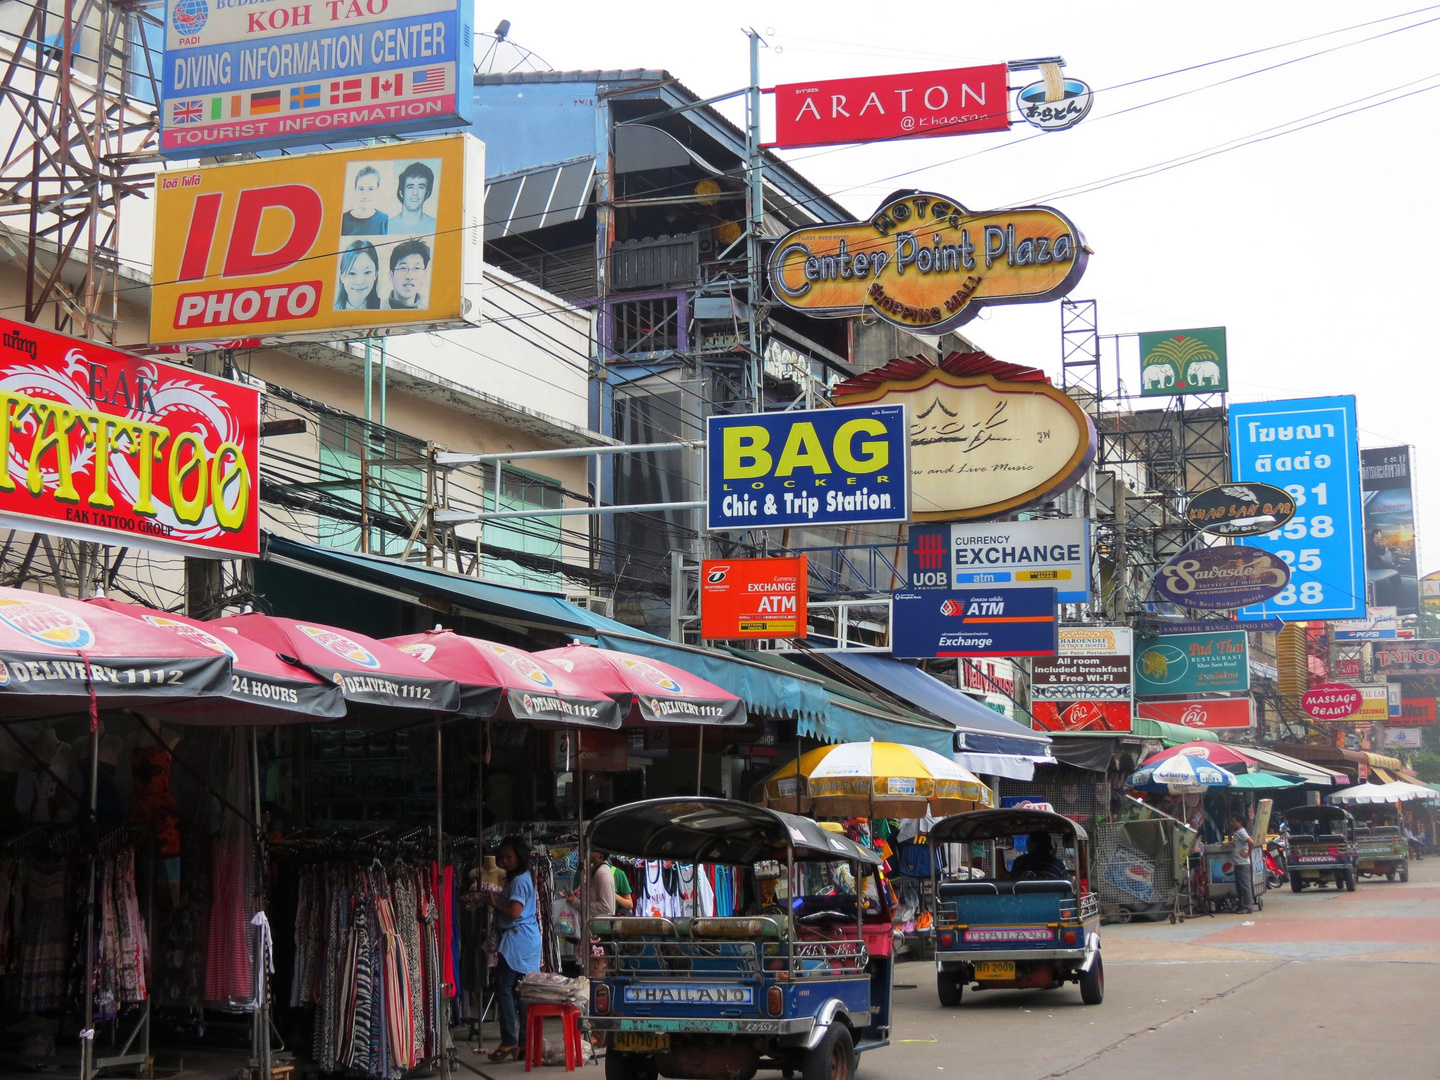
[[535, 1014]]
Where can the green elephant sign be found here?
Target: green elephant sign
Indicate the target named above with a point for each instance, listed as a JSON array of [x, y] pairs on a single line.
[[1183, 362]]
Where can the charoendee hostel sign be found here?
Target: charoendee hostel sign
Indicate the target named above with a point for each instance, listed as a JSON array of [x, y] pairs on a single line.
[[924, 262]]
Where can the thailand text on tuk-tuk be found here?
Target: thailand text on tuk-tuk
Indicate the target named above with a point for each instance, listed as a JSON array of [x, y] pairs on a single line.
[[1031, 922], [800, 982], [1322, 848]]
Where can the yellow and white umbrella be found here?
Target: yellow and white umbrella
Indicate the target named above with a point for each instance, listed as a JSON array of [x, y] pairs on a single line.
[[874, 779]]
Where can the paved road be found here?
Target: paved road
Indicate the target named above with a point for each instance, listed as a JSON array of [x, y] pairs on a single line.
[[1320, 985]]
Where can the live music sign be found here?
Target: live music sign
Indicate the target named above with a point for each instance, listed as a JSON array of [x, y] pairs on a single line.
[[960, 101]]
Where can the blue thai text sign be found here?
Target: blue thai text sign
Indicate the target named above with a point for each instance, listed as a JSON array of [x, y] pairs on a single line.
[[813, 467], [973, 622], [1308, 447]]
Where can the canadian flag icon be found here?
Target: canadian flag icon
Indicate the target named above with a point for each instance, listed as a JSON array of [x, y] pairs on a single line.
[[387, 86]]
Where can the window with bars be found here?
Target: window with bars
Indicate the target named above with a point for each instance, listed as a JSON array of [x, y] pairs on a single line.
[[645, 326]]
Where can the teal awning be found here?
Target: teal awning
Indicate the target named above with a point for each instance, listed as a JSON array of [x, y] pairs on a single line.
[[1170, 734]]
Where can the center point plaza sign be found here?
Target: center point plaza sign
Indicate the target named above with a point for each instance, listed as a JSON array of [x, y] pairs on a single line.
[[810, 467], [346, 242], [103, 446], [923, 262], [248, 74]]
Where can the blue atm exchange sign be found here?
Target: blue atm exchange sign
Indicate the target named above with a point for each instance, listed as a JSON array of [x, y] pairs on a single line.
[[815, 467], [1308, 447], [973, 622]]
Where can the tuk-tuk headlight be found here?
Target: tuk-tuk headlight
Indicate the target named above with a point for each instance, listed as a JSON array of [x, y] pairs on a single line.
[[775, 1001], [602, 997]]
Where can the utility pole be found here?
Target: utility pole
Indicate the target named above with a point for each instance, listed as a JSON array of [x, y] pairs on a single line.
[[755, 221]]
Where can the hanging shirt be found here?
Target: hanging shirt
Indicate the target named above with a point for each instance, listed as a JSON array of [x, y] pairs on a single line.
[[520, 938]]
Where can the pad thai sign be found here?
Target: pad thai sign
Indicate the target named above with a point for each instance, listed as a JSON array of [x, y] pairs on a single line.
[[924, 262], [103, 446]]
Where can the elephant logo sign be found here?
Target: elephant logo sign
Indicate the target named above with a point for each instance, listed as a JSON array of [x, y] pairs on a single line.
[[1183, 362]]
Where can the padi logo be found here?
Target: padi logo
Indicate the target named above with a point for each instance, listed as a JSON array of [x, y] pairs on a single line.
[[189, 17], [716, 575], [46, 625]]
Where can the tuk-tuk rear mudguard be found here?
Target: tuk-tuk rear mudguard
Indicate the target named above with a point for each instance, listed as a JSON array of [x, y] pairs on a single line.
[[832, 1012], [1092, 951]]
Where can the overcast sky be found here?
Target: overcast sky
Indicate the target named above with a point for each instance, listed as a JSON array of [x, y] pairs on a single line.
[[1317, 250]]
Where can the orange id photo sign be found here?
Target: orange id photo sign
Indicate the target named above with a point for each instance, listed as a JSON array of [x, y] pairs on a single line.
[[753, 598]]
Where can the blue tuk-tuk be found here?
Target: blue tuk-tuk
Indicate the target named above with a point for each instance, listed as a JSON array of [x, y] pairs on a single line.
[[799, 980], [1028, 923]]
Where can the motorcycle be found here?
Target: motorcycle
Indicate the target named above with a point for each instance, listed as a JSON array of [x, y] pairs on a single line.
[[1276, 872]]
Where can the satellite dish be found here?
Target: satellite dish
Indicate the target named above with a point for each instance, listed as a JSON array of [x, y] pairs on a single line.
[[502, 56]]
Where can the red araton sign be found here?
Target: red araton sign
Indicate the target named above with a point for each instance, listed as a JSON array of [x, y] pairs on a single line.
[[100, 445], [917, 104]]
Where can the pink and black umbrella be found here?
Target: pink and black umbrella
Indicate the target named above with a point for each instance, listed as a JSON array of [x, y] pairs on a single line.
[[1227, 757], [495, 677], [54, 653], [368, 672], [264, 688], [649, 691]]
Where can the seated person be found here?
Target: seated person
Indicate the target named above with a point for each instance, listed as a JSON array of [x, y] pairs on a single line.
[[1039, 861]]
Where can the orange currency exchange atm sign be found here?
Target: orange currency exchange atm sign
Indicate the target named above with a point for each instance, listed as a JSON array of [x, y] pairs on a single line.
[[924, 262], [753, 598], [100, 445]]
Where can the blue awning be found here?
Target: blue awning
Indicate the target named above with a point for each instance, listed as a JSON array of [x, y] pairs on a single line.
[[978, 730]]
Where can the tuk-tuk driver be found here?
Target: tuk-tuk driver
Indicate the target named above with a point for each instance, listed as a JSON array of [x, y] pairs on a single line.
[[1039, 860]]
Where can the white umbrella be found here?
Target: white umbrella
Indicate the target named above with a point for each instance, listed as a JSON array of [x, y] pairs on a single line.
[[1399, 791], [1183, 774]]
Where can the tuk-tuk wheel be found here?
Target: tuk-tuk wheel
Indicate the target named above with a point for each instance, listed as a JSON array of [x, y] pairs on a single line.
[[1405, 873], [1092, 983], [1297, 884], [1350, 880], [1389, 875], [834, 1058], [949, 986], [622, 1066]]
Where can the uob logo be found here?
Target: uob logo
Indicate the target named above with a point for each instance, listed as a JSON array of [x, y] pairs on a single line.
[[928, 555]]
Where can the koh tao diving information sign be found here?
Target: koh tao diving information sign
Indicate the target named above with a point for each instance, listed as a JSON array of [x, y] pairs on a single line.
[[245, 74], [1308, 447], [924, 262], [813, 467], [103, 446], [347, 242]]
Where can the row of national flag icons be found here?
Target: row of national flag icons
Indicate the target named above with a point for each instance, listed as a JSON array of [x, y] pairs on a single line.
[[423, 81]]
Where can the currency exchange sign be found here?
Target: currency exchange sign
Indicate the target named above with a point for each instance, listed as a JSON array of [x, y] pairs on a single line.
[[1307, 446]]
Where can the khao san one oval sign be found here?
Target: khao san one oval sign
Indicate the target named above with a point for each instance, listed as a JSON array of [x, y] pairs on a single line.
[[1222, 578], [924, 262], [1247, 509], [1331, 701]]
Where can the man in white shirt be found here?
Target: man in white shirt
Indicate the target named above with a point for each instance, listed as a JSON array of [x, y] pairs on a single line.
[[1240, 845]]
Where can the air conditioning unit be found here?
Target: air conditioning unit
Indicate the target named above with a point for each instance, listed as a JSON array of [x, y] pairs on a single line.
[[600, 605]]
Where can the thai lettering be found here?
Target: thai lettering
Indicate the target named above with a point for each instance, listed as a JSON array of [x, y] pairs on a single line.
[[1287, 434]]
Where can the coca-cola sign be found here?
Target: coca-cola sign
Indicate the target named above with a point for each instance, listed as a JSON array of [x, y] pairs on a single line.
[[1208, 714], [1331, 701], [1222, 578]]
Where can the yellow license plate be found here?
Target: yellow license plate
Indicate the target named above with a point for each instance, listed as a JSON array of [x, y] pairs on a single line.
[[995, 969], [645, 1041]]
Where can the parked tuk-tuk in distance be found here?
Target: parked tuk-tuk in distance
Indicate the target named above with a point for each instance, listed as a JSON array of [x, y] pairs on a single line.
[[1028, 930], [1322, 848], [1380, 844], [801, 984]]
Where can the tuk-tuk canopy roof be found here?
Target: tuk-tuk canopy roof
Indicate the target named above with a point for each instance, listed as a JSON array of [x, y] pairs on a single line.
[[716, 831], [988, 824], [1318, 813]]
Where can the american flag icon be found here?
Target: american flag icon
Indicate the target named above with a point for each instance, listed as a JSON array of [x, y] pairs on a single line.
[[428, 81], [187, 112]]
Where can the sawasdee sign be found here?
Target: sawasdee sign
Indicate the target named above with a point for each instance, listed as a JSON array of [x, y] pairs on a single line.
[[973, 622], [352, 241], [1192, 664], [753, 598], [981, 446], [1309, 448], [810, 467], [103, 446], [241, 75], [1221, 578], [916, 104], [1053, 553], [924, 262]]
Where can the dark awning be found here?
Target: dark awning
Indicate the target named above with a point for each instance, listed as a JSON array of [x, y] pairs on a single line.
[[978, 730], [548, 195], [1093, 752]]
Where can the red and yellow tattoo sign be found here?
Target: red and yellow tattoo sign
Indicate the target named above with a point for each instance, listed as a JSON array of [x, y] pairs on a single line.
[[924, 262], [100, 445]]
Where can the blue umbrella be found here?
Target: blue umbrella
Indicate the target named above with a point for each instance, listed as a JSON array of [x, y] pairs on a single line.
[[1182, 774]]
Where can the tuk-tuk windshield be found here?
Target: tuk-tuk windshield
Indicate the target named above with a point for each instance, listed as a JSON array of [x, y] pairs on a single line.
[[831, 886]]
